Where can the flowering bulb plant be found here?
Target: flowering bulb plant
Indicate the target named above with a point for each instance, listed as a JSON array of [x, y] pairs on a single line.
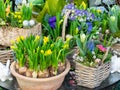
[[91, 50], [40, 56]]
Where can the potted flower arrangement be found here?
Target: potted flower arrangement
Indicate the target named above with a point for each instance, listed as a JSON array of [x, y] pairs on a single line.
[[92, 59], [16, 23], [40, 62]]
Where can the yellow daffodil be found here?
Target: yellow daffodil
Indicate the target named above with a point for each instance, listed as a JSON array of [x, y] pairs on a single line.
[[99, 11], [66, 46], [20, 21], [15, 16], [48, 52], [46, 39], [84, 5], [12, 47], [42, 51], [18, 39], [12, 42], [19, 17], [22, 37], [18, 13], [7, 10], [37, 38]]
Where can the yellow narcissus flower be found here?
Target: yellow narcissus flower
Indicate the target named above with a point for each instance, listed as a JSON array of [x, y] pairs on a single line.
[[19, 17], [46, 39], [12, 47], [83, 4], [20, 38], [20, 21], [12, 42], [48, 52], [66, 46], [15, 16], [42, 51], [7, 10], [18, 13], [37, 38]]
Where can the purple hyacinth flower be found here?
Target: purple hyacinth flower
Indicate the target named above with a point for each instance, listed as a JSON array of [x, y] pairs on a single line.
[[90, 27], [52, 19], [52, 24], [93, 16], [70, 6], [91, 45]]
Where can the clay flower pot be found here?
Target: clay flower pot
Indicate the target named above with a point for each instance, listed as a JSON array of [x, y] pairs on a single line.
[[51, 83]]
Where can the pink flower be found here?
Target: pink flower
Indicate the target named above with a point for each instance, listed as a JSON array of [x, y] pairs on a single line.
[[100, 47]]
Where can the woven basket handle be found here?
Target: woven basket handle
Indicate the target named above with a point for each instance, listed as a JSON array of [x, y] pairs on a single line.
[[105, 55], [65, 24]]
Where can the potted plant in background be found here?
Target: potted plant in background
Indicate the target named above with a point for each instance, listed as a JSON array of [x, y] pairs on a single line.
[[16, 23], [40, 62]]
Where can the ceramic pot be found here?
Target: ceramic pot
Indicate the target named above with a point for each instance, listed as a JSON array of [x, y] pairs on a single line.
[[51, 83]]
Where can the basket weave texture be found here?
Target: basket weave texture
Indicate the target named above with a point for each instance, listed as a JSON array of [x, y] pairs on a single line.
[[11, 33], [6, 55], [91, 77]]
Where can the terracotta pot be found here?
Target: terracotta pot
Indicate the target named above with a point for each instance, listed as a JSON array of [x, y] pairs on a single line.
[[51, 83]]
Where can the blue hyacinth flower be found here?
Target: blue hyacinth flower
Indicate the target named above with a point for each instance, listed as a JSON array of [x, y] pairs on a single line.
[[91, 45], [90, 27]]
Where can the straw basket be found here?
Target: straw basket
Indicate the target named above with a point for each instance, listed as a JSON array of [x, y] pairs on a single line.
[[91, 77], [6, 55], [9, 33]]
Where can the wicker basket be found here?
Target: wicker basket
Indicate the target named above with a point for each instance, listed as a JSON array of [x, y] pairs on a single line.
[[6, 55], [9, 33], [91, 77]]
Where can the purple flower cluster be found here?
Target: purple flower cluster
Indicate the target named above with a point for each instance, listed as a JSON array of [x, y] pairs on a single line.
[[81, 15], [52, 21]]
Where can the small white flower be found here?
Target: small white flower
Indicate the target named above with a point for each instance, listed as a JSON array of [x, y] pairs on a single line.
[[97, 32], [94, 57], [25, 23], [93, 52]]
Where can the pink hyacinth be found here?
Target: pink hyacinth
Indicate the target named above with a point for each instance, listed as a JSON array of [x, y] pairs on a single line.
[[100, 47]]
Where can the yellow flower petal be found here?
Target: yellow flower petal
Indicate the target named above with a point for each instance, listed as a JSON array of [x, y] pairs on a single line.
[[83, 4], [46, 39], [48, 52], [12, 42]]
